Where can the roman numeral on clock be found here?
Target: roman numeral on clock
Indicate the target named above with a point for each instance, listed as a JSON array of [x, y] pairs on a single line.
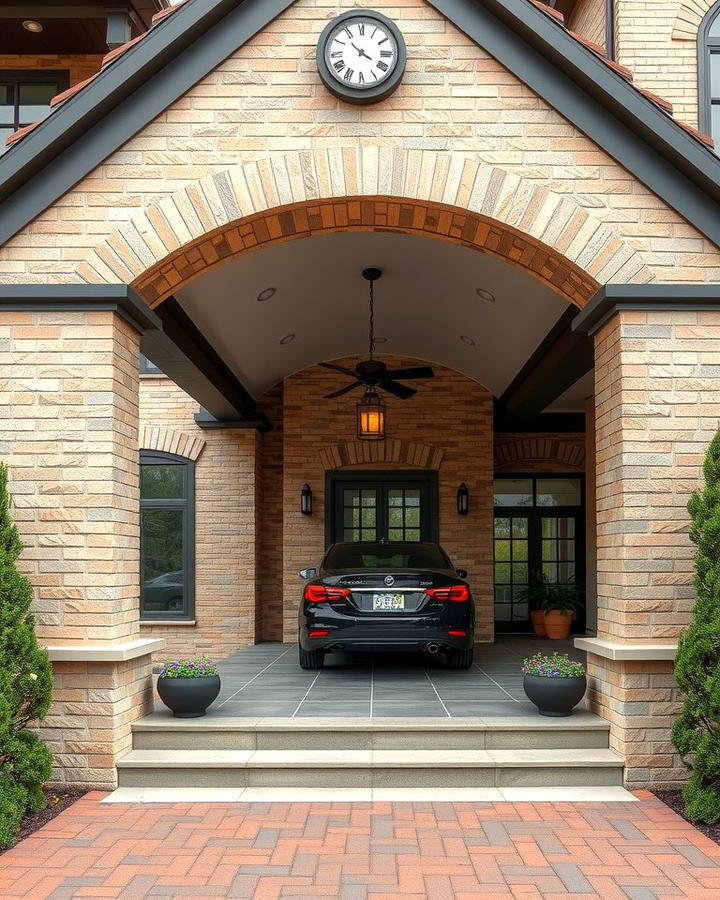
[[338, 65], [348, 75], [386, 53], [361, 28], [382, 66]]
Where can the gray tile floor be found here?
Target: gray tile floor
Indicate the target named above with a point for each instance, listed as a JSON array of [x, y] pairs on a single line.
[[266, 680]]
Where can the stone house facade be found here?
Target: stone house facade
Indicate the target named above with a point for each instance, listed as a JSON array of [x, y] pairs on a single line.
[[207, 164]]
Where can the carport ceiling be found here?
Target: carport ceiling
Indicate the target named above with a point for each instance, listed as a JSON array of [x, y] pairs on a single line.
[[426, 300]]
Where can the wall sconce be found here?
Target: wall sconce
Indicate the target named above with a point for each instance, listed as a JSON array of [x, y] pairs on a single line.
[[463, 500], [306, 500]]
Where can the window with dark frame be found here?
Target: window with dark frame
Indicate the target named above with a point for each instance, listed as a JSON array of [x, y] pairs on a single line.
[[147, 367], [167, 536], [25, 98], [709, 73]]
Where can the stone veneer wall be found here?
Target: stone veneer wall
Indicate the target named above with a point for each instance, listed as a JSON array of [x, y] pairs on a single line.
[[451, 413], [261, 130], [657, 380]]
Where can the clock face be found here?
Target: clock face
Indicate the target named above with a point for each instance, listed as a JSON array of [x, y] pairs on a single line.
[[361, 52], [361, 56]]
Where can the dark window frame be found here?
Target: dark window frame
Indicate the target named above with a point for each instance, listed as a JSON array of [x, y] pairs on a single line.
[[187, 504], [428, 477], [147, 366], [61, 77], [707, 47], [534, 514]]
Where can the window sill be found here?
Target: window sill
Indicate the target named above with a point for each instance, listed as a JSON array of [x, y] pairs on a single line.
[[152, 375], [183, 622]]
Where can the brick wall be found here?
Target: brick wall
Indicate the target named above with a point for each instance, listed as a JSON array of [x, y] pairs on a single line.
[[451, 413], [225, 549], [656, 390], [456, 108], [658, 41], [588, 19]]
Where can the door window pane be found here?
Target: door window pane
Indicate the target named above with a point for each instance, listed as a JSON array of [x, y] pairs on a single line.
[[403, 512], [513, 492], [163, 556], [558, 492], [359, 514], [34, 100], [511, 568]]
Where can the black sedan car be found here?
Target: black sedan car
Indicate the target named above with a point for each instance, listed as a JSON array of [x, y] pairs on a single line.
[[386, 596]]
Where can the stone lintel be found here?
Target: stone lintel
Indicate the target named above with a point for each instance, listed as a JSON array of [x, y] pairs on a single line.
[[613, 298], [626, 651], [118, 298], [106, 652]]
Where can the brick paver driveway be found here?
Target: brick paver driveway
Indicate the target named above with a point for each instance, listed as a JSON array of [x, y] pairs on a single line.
[[435, 850]]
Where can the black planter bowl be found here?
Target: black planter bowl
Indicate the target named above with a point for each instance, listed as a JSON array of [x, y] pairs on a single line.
[[554, 696], [188, 698]]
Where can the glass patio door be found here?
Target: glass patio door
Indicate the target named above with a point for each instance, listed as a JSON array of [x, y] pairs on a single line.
[[531, 539], [371, 507]]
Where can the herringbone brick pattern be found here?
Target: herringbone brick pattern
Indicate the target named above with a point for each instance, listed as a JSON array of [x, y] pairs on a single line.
[[375, 850]]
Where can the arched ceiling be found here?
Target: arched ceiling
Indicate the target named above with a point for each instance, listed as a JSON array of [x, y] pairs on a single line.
[[425, 302]]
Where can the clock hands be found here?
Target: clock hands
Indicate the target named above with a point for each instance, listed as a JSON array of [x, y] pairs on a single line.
[[361, 52]]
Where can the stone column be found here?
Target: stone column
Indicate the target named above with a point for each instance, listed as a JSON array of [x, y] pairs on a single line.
[[657, 406], [70, 436]]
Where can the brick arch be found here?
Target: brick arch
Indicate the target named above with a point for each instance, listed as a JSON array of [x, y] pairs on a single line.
[[166, 440], [688, 19], [391, 451], [546, 452], [449, 196]]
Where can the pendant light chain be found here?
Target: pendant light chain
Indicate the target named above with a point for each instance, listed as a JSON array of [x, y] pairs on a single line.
[[372, 319]]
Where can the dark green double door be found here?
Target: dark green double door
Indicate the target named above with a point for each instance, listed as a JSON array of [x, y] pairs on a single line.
[[374, 506]]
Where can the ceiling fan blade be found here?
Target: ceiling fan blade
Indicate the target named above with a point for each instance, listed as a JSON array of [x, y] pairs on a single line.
[[419, 372], [345, 390], [339, 369], [397, 389]]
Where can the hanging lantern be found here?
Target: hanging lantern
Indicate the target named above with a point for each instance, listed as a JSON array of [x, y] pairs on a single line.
[[306, 500], [371, 417]]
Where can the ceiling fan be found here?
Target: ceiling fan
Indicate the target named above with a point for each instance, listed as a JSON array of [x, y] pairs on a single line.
[[373, 374]]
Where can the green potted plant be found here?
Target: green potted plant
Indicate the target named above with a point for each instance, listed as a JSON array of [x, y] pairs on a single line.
[[188, 686], [554, 683], [552, 605]]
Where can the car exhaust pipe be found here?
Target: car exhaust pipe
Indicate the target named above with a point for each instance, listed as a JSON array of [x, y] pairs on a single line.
[[432, 648]]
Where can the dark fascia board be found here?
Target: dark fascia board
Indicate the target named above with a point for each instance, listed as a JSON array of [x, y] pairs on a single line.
[[614, 297], [206, 420], [599, 101], [117, 298], [561, 359], [561, 422], [130, 92]]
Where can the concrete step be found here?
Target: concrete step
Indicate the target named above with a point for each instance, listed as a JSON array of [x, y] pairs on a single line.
[[160, 731], [370, 768]]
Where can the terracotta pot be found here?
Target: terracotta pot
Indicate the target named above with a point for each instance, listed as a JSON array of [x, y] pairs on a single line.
[[537, 617], [557, 624]]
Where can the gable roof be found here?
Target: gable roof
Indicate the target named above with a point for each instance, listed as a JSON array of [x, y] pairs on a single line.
[[186, 42]]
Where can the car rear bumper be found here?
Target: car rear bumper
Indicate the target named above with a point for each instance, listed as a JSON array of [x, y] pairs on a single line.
[[386, 636]]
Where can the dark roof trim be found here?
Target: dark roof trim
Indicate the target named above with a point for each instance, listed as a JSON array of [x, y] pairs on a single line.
[[117, 298], [126, 95], [614, 297], [599, 101]]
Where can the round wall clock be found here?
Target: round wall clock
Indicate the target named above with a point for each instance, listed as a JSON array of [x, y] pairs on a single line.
[[361, 56]]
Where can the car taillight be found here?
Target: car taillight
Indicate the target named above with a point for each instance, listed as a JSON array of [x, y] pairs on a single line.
[[319, 593], [456, 594]]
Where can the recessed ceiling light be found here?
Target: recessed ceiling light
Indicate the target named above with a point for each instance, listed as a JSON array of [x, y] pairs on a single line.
[[467, 340], [32, 25], [485, 295], [288, 339], [266, 294]]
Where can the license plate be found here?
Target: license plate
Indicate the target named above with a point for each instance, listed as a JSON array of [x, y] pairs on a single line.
[[388, 601]]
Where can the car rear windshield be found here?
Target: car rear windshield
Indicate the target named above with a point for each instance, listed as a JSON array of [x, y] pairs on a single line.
[[386, 556]]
